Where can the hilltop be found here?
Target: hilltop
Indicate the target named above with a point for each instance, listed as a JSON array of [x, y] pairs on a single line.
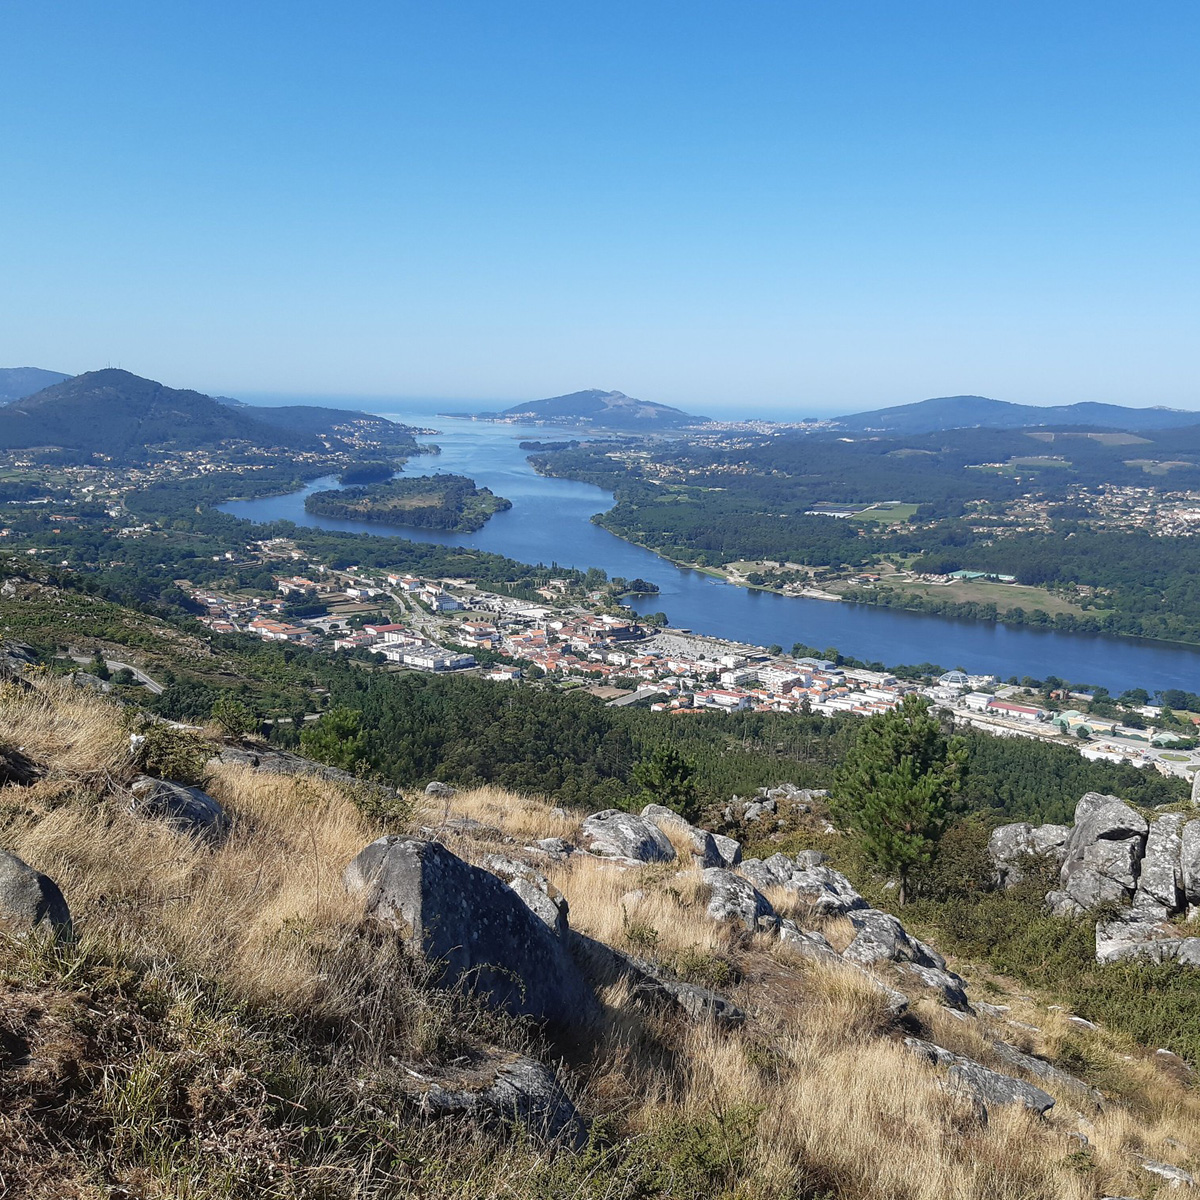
[[250, 974], [606, 410], [966, 412], [17, 382], [122, 415]]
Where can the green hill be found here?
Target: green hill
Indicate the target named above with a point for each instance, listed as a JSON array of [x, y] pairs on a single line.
[[607, 410], [124, 416], [18, 382]]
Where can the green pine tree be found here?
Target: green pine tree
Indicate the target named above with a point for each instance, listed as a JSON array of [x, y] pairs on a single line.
[[337, 739], [668, 778], [896, 787]]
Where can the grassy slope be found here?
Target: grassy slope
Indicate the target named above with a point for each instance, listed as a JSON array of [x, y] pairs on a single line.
[[226, 1027]]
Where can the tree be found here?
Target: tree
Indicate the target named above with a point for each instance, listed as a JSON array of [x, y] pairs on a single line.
[[668, 778], [234, 718], [896, 786], [336, 739], [98, 666]]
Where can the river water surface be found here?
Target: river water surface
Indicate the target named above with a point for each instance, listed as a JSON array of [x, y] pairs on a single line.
[[550, 522]]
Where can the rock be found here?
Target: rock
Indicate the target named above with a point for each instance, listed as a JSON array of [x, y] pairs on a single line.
[[806, 860], [651, 984], [184, 810], [1103, 852], [1160, 879], [996, 1011], [1170, 1058], [1189, 856], [1082, 1023], [704, 846], [1059, 904], [828, 892], [814, 946], [1007, 846], [730, 850], [92, 683], [1043, 1070], [281, 762], [736, 899], [1176, 1177], [618, 834], [951, 987], [1051, 840], [1134, 935], [555, 848], [985, 1085], [442, 791], [881, 938], [502, 1090], [30, 900], [542, 898], [477, 927], [756, 811], [17, 769]]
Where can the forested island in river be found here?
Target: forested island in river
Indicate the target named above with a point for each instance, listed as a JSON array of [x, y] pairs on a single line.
[[450, 502]]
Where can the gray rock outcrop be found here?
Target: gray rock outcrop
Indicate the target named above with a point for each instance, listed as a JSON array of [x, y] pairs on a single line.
[[703, 844], [481, 932], [617, 834], [1104, 851], [982, 1083], [736, 899], [30, 900], [184, 810], [1160, 878], [538, 894], [826, 891], [500, 1091], [1189, 859], [440, 791]]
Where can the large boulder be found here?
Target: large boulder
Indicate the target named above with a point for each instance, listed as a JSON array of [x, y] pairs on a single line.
[[736, 899], [703, 844], [1104, 851], [617, 834], [1189, 859], [185, 810], [730, 850], [500, 1089], [1160, 878], [440, 791], [480, 931], [1011, 847], [1135, 934], [30, 900], [541, 897], [881, 937]]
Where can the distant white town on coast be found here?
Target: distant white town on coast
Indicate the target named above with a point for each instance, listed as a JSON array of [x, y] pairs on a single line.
[[446, 625]]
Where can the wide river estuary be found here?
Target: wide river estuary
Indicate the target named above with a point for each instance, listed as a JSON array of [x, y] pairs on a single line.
[[550, 522]]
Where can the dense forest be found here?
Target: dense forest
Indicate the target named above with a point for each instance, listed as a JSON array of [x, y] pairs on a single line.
[[572, 747], [753, 499], [450, 502]]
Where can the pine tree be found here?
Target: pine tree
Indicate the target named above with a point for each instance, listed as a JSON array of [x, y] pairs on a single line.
[[896, 786], [668, 778]]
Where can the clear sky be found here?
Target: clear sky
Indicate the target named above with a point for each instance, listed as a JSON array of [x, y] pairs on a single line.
[[789, 206]]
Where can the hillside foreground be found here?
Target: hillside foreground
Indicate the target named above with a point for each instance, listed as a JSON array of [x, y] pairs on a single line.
[[224, 1020]]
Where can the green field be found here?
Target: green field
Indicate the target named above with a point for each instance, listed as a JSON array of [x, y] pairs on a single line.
[[986, 591], [886, 513]]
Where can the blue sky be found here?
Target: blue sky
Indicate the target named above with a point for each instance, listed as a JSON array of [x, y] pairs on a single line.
[[786, 207]]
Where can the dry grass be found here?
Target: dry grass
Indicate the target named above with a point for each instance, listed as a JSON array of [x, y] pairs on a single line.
[[815, 1096]]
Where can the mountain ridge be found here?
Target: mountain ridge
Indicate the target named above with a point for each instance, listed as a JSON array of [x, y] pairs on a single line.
[[18, 382], [941, 413]]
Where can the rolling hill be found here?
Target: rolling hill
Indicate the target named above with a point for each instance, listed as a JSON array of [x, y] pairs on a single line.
[[19, 382], [965, 412], [122, 415], [607, 410]]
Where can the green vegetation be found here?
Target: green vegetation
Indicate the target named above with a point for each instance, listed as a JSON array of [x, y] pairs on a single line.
[[424, 502], [667, 778], [895, 786]]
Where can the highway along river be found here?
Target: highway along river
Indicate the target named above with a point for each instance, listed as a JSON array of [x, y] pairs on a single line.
[[550, 522]]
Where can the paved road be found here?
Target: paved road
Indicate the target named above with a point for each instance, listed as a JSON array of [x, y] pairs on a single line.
[[114, 665]]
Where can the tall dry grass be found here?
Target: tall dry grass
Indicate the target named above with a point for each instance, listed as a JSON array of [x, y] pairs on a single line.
[[815, 1096]]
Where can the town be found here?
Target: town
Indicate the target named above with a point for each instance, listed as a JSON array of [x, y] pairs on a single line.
[[450, 625]]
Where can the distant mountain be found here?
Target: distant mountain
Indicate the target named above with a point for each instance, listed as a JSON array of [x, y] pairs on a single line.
[[968, 412], [18, 382], [314, 419], [607, 410], [120, 414]]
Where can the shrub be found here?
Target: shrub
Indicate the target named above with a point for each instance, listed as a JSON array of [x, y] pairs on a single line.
[[170, 753]]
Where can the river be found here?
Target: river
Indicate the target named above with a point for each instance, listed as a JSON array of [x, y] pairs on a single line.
[[549, 522]]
